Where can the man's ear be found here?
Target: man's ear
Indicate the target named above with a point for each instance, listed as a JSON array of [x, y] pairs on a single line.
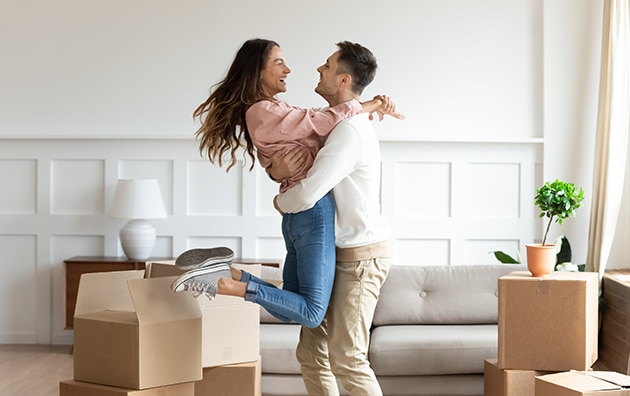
[[346, 80]]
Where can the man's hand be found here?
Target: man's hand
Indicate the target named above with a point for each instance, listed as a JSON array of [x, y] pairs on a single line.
[[387, 108], [275, 205], [287, 164]]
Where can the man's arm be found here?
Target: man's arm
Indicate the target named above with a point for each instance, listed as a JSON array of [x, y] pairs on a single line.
[[336, 160], [287, 164]]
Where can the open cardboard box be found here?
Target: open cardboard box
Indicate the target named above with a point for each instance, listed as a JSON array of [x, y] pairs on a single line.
[[135, 333], [230, 325], [583, 383]]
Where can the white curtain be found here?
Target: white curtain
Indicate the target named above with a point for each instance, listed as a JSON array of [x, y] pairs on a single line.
[[613, 123]]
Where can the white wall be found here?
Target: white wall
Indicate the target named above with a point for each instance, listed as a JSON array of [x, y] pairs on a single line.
[[498, 94], [139, 68]]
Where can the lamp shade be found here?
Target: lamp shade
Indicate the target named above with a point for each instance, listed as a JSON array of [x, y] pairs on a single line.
[[138, 199]]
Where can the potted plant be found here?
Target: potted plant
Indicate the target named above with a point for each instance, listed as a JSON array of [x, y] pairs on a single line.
[[558, 201]]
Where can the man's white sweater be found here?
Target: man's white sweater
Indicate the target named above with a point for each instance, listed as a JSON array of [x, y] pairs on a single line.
[[349, 164]]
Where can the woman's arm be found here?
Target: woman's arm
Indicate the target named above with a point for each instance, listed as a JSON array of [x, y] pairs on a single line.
[[285, 164], [276, 121]]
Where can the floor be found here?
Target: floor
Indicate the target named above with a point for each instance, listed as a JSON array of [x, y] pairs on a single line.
[[34, 370]]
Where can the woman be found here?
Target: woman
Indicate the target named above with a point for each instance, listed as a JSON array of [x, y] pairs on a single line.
[[242, 112]]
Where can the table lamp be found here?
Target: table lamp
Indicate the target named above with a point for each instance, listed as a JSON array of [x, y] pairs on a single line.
[[138, 199]]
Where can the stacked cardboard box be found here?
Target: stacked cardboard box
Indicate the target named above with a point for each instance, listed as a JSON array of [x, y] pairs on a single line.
[[545, 324], [134, 336], [548, 323], [77, 388], [233, 379], [230, 340], [230, 326], [614, 342], [497, 382], [583, 383]]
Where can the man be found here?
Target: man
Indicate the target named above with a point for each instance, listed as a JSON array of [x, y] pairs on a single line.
[[349, 164]]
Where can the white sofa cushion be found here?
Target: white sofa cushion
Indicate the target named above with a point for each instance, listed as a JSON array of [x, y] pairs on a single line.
[[441, 294], [277, 348], [432, 350]]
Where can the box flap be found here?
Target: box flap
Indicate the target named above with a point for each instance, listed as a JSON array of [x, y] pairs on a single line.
[[156, 269], [111, 316], [555, 276], [165, 262], [155, 302], [579, 381], [613, 377], [100, 291], [163, 268]]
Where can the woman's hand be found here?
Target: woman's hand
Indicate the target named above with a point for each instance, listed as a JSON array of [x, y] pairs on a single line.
[[387, 108]]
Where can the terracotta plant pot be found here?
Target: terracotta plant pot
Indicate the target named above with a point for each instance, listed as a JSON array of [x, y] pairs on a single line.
[[541, 259]]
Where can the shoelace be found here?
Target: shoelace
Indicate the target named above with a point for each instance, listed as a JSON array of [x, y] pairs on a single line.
[[200, 287]]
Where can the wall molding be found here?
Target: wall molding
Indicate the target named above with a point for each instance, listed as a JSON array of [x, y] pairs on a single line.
[[449, 202]]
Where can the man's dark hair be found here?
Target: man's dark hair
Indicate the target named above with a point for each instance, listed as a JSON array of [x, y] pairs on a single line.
[[357, 61]]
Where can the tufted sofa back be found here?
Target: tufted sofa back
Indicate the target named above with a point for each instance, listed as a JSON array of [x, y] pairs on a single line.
[[465, 294]]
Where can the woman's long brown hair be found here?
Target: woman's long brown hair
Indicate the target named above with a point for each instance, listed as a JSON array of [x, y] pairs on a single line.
[[223, 128]]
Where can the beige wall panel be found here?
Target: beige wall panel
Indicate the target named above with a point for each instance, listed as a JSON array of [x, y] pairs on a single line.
[[493, 190], [211, 191], [409, 251], [19, 188], [479, 251], [77, 186], [18, 294], [423, 189]]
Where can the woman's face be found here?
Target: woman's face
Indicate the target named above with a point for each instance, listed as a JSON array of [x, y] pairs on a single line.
[[274, 73]]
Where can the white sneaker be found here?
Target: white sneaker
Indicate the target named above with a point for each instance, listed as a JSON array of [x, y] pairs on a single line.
[[195, 258], [202, 280]]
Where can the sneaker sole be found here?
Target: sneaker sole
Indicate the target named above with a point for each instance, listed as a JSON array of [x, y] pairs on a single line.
[[199, 258], [222, 270]]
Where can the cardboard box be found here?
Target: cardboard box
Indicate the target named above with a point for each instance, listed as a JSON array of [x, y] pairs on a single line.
[[581, 383], [135, 333], [77, 388], [614, 335], [243, 379], [230, 325], [497, 382], [548, 323]]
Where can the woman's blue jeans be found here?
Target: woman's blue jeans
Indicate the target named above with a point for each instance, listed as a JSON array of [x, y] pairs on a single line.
[[309, 267]]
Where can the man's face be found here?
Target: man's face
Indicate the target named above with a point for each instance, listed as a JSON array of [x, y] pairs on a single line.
[[329, 80]]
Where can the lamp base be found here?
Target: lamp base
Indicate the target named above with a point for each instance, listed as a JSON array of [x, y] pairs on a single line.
[[137, 238]]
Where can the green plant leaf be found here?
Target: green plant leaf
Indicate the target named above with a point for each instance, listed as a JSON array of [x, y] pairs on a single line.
[[564, 255], [557, 199], [505, 258]]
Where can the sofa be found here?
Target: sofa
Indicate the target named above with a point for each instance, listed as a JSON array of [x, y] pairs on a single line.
[[433, 328]]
